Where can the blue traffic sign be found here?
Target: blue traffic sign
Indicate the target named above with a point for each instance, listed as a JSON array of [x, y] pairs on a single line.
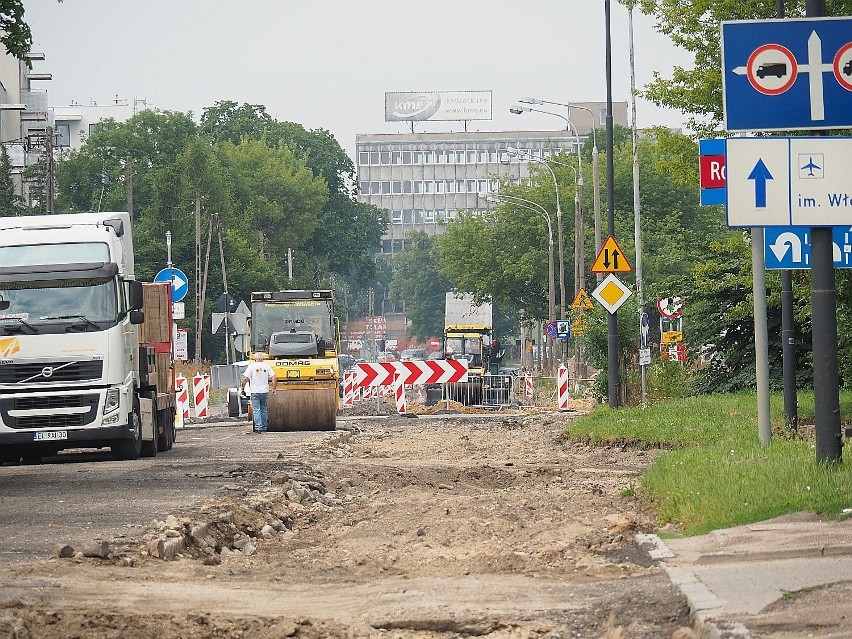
[[789, 74], [789, 247], [178, 279]]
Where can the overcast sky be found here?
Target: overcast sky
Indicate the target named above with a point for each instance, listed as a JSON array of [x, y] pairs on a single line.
[[327, 63]]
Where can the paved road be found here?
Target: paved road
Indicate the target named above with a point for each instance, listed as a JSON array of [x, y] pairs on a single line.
[[81, 496]]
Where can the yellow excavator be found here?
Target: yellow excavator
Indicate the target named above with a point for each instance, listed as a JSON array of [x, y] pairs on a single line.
[[300, 337]]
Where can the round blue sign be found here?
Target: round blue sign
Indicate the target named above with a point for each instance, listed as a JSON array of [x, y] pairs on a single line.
[[178, 280]]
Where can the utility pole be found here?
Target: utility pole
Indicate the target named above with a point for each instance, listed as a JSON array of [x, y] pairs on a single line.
[[128, 166], [637, 226], [50, 170], [229, 341], [198, 309]]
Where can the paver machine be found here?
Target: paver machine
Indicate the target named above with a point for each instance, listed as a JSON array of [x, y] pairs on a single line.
[[300, 336]]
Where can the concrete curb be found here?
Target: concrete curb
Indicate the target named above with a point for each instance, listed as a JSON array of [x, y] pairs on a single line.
[[704, 606]]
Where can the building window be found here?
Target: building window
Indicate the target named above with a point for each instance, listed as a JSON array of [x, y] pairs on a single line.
[[386, 187], [386, 246], [375, 188], [406, 186], [418, 216], [385, 157], [493, 157], [396, 157], [482, 157], [460, 186], [365, 188], [429, 217], [364, 158], [406, 157], [396, 217], [397, 187], [408, 216], [429, 157], [451, 186], [471, 157], [439, 157], [429, 186], [374, 158], [439, 186], [417, 157], [418, 186], [482, 186], [471, 186]]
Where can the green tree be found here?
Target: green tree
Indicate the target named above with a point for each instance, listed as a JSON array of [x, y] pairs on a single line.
[[226, 121], [15, 34], [276, 191], [10, 202], [417, 281]]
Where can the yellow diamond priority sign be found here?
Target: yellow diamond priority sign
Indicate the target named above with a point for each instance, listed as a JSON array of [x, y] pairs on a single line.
[[611, 293]]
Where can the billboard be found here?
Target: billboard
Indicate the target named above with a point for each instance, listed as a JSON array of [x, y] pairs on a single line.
[[437, 106]]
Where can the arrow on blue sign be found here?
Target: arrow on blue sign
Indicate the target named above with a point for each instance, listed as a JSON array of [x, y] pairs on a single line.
[[760, 174], [787, 241], [178, 280]]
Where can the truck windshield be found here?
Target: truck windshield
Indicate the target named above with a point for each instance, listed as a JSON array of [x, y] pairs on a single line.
[[39, 254], [85, 300], [302, 315]]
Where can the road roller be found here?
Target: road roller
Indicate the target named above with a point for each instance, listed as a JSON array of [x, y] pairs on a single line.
[[300, 336]]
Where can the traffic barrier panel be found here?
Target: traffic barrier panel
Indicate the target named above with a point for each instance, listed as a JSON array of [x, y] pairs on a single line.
[[528, 386], [399, 388], [200, 394], [348, 389], [562, 383], [182, 399]]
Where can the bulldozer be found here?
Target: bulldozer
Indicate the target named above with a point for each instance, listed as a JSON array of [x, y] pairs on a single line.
[[299, 335]]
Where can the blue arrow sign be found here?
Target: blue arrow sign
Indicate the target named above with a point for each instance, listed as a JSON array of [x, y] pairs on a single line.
[[760, 174], [178, 280], [789, 247]]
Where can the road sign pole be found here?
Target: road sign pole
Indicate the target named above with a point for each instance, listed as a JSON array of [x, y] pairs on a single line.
[[613, 390], [824, 323], [788, 330], [761, 336]]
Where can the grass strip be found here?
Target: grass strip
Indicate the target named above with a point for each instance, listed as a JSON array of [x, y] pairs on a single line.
[[715, 473]]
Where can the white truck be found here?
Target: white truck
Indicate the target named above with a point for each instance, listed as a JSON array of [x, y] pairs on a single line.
[[85, 349]]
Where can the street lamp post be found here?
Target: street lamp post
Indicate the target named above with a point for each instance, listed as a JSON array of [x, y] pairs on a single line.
[[551, 285], [516, 152], [595, 178]]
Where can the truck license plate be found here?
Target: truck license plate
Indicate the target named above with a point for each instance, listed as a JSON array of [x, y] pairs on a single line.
[[50, 435]]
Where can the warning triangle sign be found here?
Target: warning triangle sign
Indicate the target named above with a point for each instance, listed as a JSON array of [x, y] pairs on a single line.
[[582, 301], [611, 259]]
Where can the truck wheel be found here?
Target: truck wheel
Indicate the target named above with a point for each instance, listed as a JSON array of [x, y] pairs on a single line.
[[233, 402], [167, 439], [131, 447]]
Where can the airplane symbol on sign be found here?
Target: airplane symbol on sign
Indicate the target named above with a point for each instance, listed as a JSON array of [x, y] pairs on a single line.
[[810, 166]]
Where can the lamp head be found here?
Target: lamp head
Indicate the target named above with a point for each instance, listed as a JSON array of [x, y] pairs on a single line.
[[511, 151], [517, 110], [530, 101]]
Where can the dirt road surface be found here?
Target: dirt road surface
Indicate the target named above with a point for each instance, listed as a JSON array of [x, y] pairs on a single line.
[[467, 526]]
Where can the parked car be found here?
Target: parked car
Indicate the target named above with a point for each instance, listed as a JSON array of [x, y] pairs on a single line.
[[347, 362], [411, 354], [387, 356]]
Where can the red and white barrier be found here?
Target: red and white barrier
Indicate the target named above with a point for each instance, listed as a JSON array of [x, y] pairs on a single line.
[[562, 382], [399, 389], [348, 389], [182, 400], [200, 394], [528, 386]]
